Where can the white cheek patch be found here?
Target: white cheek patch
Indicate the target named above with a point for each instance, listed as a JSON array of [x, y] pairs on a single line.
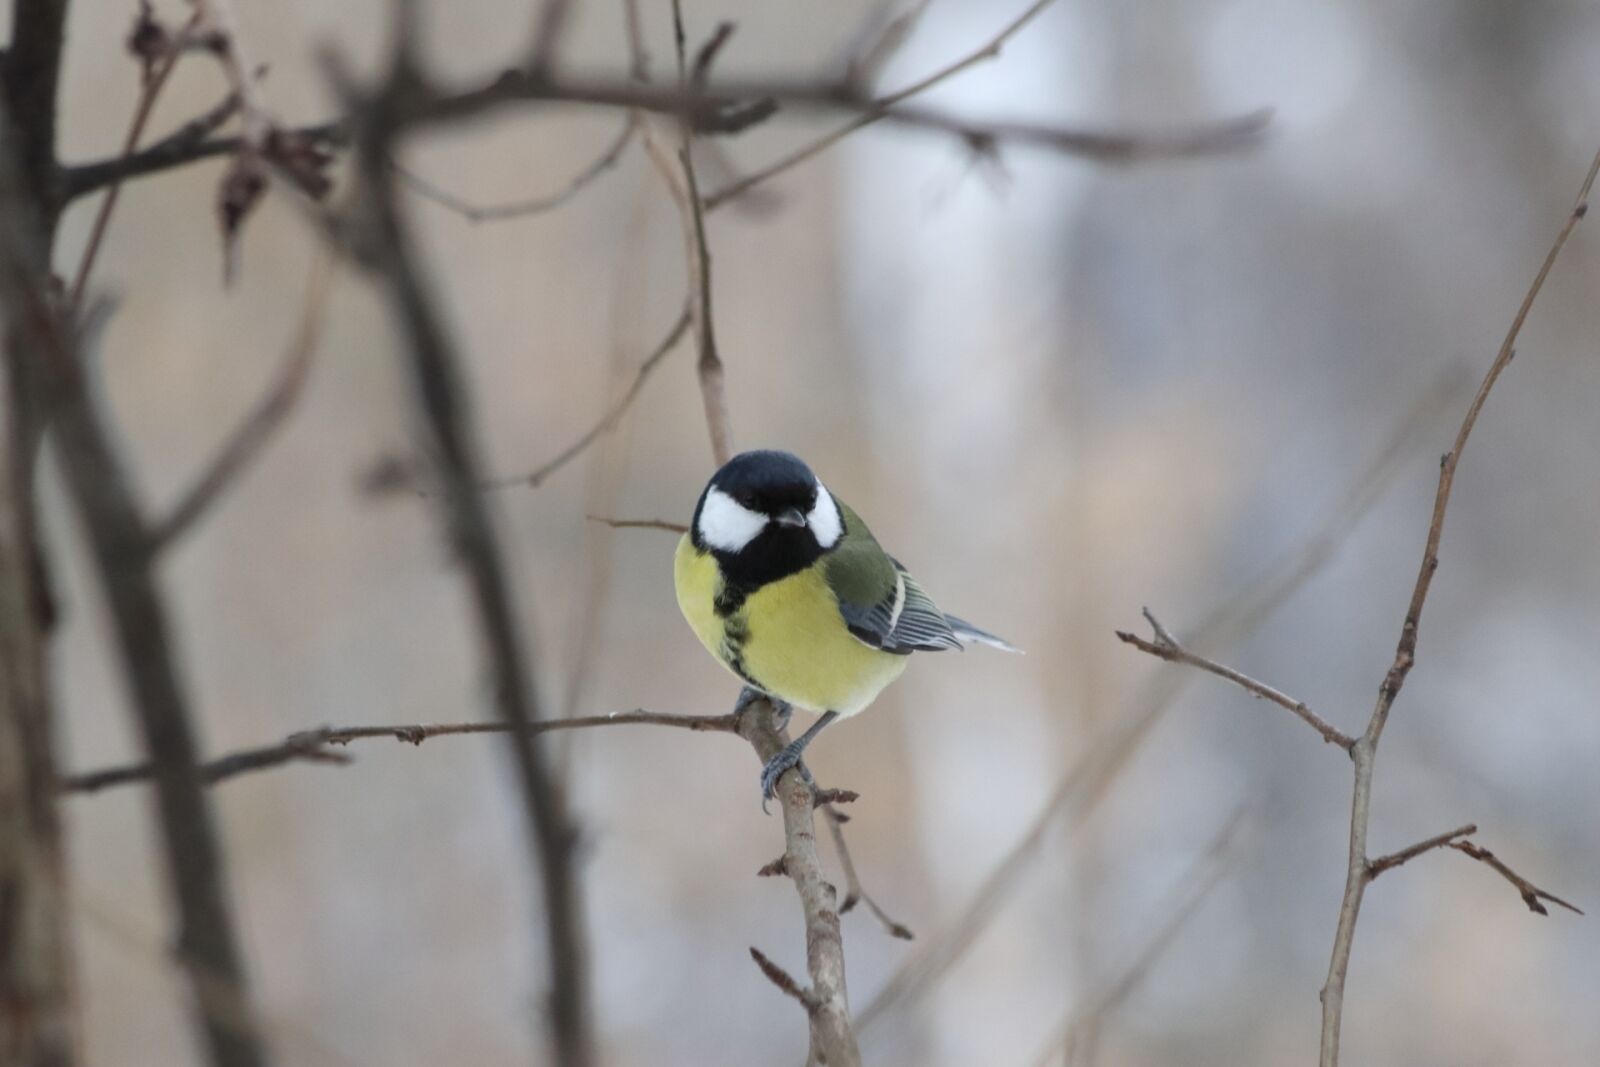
[[824, 520], [726, 525]]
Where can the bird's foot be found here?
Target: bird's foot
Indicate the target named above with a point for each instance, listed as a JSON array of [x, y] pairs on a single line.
[[787, 757], [749, 695]]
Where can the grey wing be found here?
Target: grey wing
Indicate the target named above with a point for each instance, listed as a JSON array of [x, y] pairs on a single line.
[[905, 621]]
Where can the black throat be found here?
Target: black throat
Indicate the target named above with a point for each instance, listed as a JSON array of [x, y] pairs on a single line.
[[776, 553]]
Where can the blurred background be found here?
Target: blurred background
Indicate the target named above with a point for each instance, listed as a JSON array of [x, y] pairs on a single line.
[[1058, 391]]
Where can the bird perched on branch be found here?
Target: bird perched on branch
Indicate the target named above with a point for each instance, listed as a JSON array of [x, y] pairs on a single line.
[[790, 591]]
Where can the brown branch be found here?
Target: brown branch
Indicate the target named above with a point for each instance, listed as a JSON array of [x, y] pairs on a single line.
[[832, 1039], [117, 539], [727, 108], [314, 744], [785, 981], [1365, 748], [1530, 893], [853, 892], [1405, 855], [476, 213], [1166, 647], [640, 524], [445, 422], [264, 420], [989, 50], [1093, 773], [608, 421], [154, 80]]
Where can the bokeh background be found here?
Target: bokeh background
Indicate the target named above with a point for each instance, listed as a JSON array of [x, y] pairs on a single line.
[[1059, 391]]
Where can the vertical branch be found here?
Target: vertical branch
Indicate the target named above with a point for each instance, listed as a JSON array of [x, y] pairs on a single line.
[[1364, 751], [445, 419], [709, 365], [118, 547], [36, 1015], [833, 1042]]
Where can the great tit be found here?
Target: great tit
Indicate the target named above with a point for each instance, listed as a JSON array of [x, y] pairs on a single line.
[[790, 591]]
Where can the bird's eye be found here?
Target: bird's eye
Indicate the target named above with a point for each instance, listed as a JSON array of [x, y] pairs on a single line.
[[745, 500]]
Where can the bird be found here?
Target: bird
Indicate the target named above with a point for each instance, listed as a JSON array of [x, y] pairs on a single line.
[[787, 588]]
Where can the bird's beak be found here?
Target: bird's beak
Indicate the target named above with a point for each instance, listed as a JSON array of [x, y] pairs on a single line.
[[793, 518]]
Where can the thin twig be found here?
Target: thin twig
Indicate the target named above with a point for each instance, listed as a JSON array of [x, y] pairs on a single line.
[[1365, 749], [548, 34], [608, 421], [726, 108], [1166, 647], [640, 524], [1405, 855], [784, 981], [149, 91], [1530, 893], [258, 427], [989, 50], [314, 744], [1092, 775], [475, 213], [854, 893]]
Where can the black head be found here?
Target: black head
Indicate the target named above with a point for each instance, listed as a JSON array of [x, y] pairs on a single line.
[[764, 515]]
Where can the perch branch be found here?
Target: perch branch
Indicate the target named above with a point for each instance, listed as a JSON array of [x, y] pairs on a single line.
[[832, 1039], [314, 744], [1166, 647]]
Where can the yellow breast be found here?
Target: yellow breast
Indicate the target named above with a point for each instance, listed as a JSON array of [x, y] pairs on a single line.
[[787, 638]]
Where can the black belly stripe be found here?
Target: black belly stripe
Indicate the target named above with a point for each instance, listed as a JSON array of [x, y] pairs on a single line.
[[729, 599], [735, 632]]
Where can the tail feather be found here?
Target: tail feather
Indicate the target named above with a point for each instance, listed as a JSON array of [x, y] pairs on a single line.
[[969, 634]]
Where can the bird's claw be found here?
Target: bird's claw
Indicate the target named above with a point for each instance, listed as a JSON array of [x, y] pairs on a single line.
[[788, 757], [781, 710]]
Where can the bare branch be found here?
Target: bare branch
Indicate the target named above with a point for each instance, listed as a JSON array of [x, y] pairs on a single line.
[[157, 71], [853, 892], [313, 744], [859, 71], [1530, 893], [727, 108], [832, 1039], [1395, 859], [116, 537], [445, 422], [640, 524], [1092, 774], [475, 213], [785, 981], [608, 421], [258, 427], [547, 37], [1365, 748], [1166, 647]]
